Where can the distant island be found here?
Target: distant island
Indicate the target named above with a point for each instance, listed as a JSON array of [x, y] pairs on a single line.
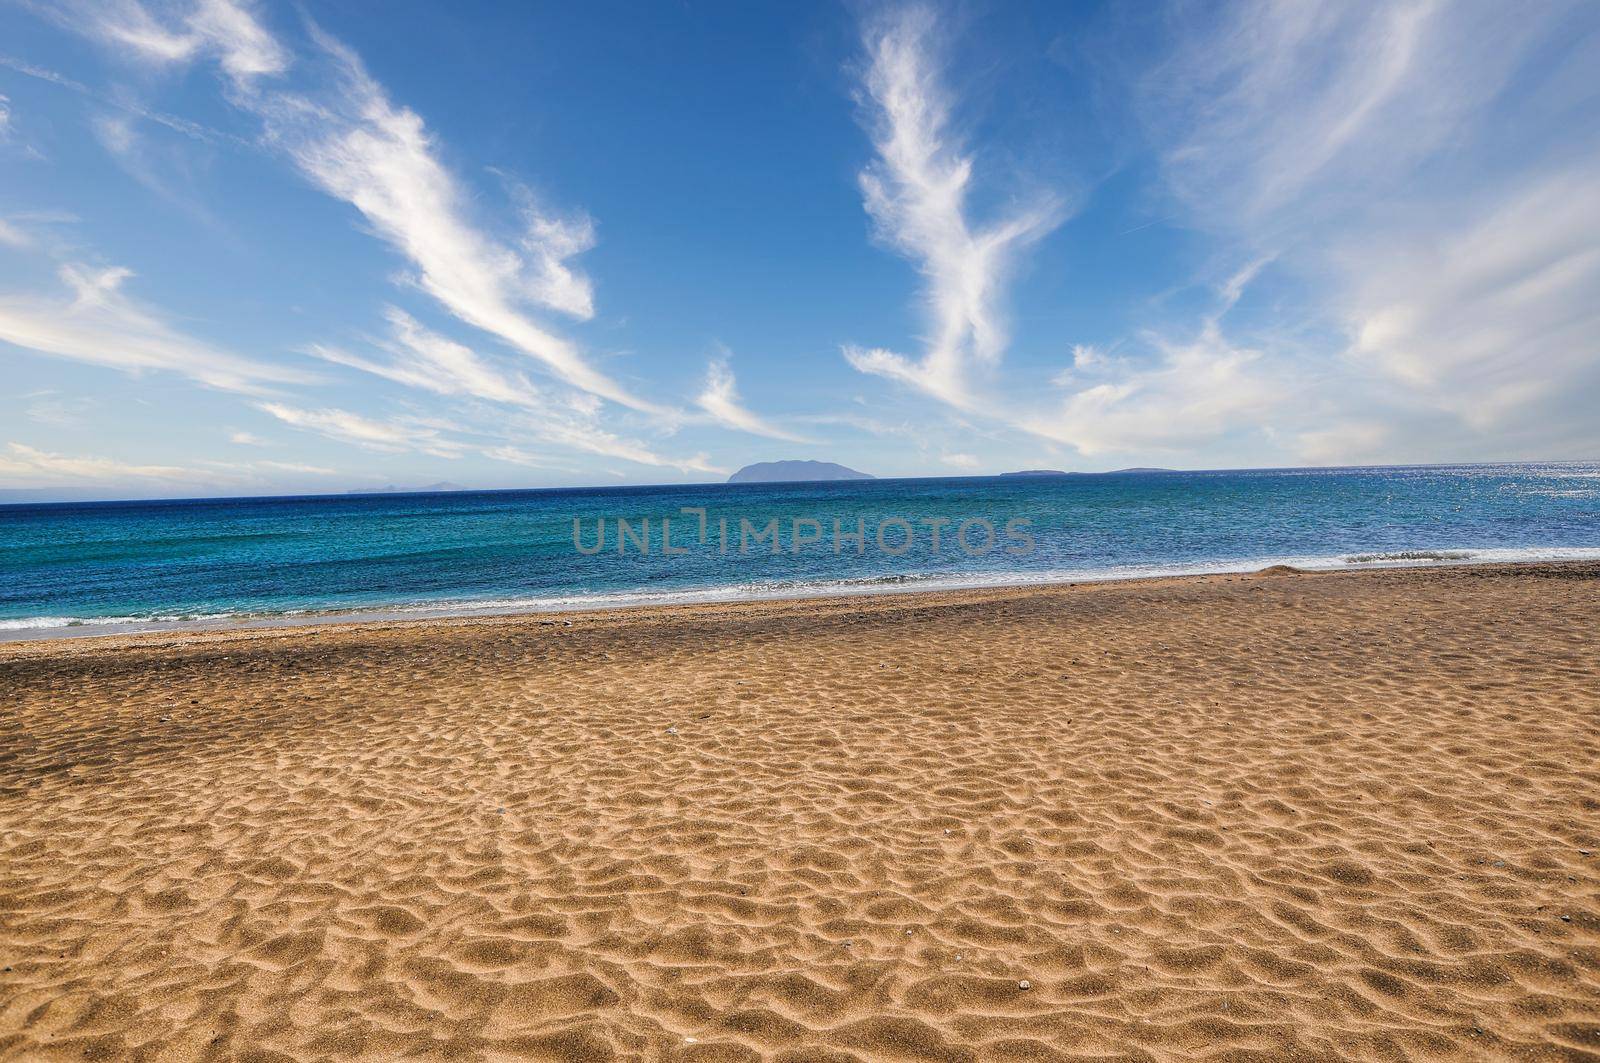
[[391, 489], [1058, 472], [767, 472]]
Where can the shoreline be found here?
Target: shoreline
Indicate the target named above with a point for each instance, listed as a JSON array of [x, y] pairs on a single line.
[[865, 588], [658, 614]]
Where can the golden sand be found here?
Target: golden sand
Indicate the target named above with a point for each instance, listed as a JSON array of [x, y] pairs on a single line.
[[1330, 816]]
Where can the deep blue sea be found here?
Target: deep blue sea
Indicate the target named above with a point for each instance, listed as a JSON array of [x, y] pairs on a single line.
[[122, 565]]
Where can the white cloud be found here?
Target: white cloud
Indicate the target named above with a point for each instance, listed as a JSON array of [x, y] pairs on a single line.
[[359, 147], [421, 358], [355, 144], [1271, 107], [42, 74], [573, 428], [1494, 317], [25, 466], [155, 165], [246, 439], [1232, 288], [225, 29], [960, 461], [115, 133], [1087, 356], [247, 49], [101, 325], [1187, 394], [720, 399], [578, 428], [515, 456], [1418, 168], [916, 192], [9, 139], [904, 429], [352, 142], [121, 101], [549, 242], [1086, 359], [295, 466], [61, 411], [1414, 170], [391, 436], [1192, 394]]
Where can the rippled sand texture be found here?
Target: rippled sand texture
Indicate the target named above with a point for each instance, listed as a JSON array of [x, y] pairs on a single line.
[[1337, 816]]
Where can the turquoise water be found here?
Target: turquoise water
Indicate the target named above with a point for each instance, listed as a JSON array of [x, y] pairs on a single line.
[[131, 564]]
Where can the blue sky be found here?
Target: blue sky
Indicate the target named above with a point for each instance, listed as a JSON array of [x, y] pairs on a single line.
[[252, 248]]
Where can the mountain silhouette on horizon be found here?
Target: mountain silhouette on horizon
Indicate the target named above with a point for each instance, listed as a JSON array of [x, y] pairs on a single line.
[[796, 472]]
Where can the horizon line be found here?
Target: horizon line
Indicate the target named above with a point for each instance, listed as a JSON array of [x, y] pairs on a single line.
[[1130, 471]]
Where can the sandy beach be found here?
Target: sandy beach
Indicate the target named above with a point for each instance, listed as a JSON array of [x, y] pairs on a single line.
[[1334, 816]]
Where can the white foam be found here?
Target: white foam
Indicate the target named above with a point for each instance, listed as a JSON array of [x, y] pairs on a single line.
[[28, 623], [43, 623], [781, 590]]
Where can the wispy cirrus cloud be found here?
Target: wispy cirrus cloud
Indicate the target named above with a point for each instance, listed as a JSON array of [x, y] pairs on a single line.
[[152, 162], [1404, 163], [226, 30], [1191, 393], [98, 323], [549, 243], [11, 142], [577, 427], [1268, 115], [421, 358], [1421, 168], [121, 101], [392, 436], [358, 146], [345, 135], [1179, 394], [352, 141], [241, 471], [916, 192], [516, 456], [25, 466], [296, 466], [720, 399], [53, 408], [11, 236], [418, 357], [1493, 318]]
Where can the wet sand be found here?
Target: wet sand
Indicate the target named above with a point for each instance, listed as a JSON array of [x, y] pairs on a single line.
[[1345, 815]]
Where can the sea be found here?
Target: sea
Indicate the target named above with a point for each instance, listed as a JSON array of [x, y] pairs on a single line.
[[102, 567]]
